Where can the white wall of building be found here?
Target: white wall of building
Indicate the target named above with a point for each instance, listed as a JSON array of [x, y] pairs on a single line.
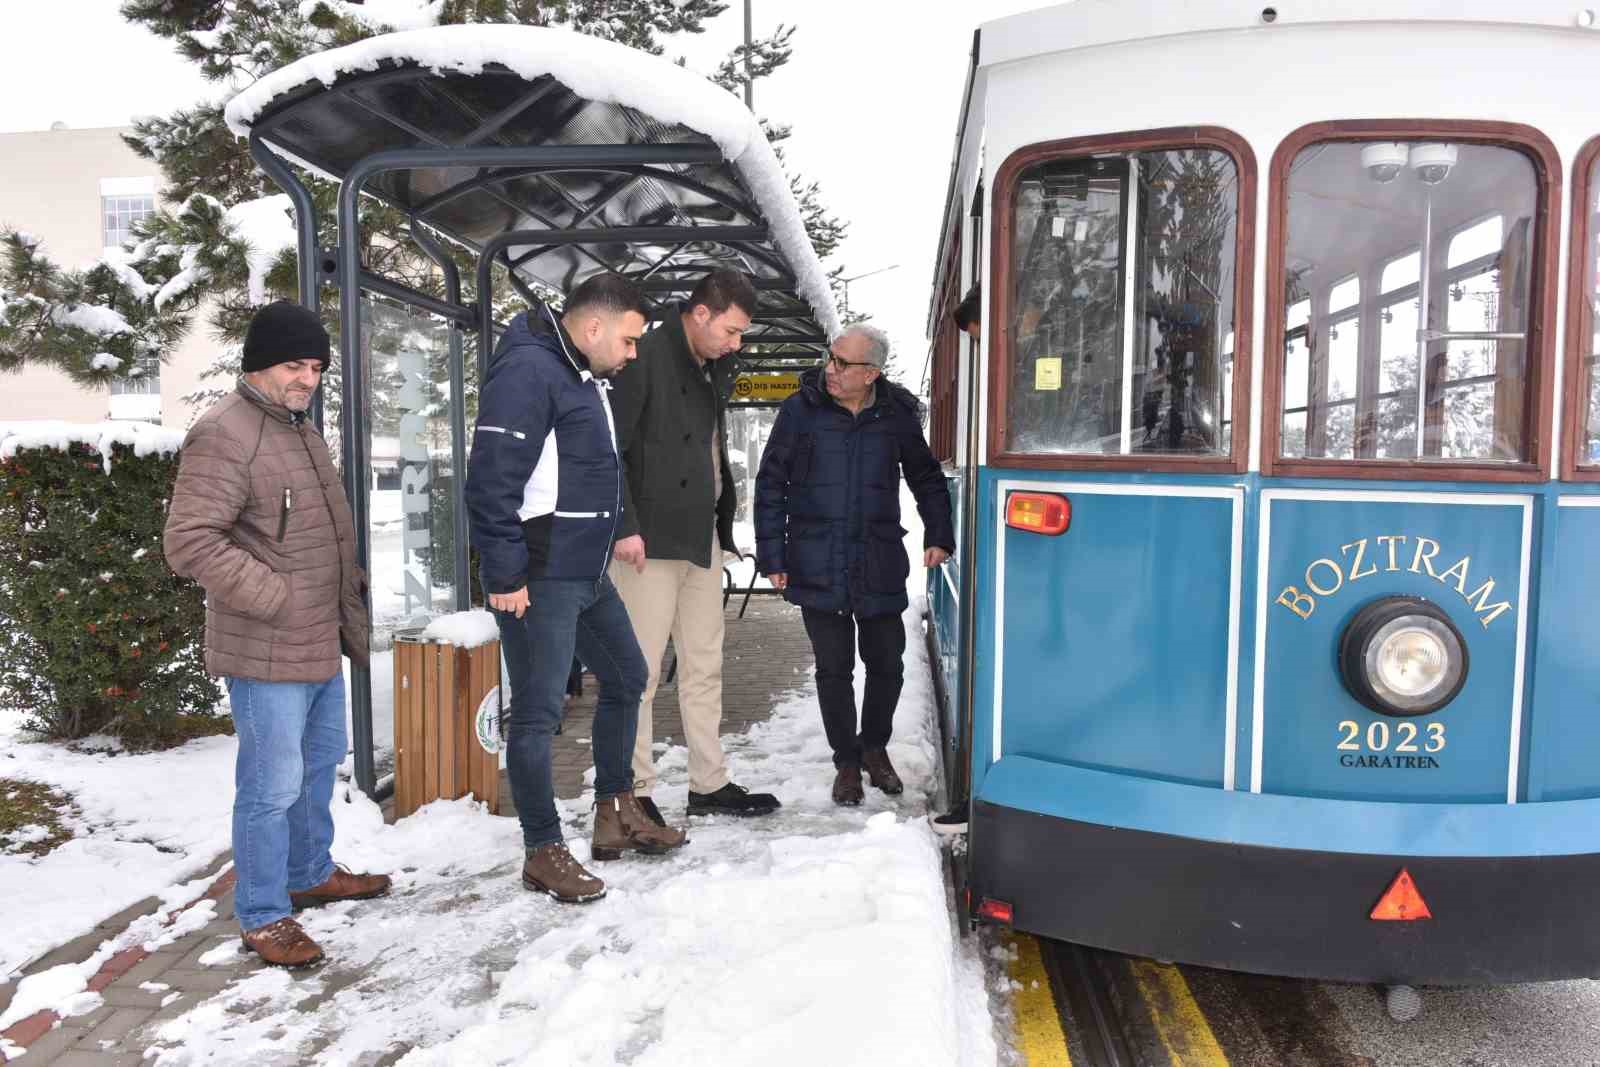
[[51, 185]]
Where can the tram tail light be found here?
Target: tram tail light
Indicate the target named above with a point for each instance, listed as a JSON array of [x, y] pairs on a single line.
[[996, 911], [1045, 513], [1401, 902]]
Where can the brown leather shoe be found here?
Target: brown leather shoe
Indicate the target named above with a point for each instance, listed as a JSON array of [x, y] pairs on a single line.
[[621, 825], [847, 786], [552, 869], [880, 772], [342, 884], [282, 944]]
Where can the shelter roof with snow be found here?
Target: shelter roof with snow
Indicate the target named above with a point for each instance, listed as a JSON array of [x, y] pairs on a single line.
[[651, 170]]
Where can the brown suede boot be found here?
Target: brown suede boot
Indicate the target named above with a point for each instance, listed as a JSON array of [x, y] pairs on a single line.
[[342, 884], [847, 786], [621, 825], [552, 869], [282, 944], [880, 772]]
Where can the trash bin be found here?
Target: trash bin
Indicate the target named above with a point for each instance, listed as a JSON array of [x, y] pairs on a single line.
[[446, 736]]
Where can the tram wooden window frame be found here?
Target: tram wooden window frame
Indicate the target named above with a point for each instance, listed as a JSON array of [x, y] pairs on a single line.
[[1580, 321], [944, 371], [1172, 138], [1541, 342]]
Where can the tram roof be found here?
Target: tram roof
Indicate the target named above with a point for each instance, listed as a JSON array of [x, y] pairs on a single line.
[[1082, 24], [676, 176]]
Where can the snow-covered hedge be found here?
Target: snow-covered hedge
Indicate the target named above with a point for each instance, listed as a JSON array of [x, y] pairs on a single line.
[[100, 636]]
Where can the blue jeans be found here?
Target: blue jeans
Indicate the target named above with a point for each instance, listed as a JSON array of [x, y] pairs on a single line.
[[291, 742], [566, 616]]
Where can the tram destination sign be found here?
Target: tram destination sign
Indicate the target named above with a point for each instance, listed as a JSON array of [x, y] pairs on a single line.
[[765, 388]]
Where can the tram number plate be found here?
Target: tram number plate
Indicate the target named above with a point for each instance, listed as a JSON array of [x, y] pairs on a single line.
[[1398, 745]]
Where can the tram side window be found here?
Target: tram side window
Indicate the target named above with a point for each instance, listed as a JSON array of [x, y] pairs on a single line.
[[1094, 369], [1408, 263], [1589, 452]]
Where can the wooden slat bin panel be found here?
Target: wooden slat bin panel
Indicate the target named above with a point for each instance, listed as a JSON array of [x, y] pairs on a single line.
[[437, 689]]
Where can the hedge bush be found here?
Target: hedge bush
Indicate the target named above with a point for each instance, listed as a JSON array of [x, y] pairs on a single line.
[[103, 637]]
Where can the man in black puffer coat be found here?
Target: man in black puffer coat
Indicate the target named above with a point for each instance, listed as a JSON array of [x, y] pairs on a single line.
[[828, 533]]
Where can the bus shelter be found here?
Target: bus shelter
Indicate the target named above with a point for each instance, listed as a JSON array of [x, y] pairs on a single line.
[[537, 157]]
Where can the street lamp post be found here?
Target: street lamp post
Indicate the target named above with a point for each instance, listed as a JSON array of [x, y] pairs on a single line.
[[749, 86]]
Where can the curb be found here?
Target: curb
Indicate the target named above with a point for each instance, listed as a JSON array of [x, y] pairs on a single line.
[[25, 1032]]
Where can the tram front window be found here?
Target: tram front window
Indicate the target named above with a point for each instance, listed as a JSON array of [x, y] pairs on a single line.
[[1093, 369], [1415, 272]]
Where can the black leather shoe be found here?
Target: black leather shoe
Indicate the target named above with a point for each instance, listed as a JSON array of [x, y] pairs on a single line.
[[651, 810], [732, 800], [880, 772], [847, 786]]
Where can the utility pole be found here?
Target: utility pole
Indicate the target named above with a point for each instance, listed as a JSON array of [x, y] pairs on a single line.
[[749, 86], [844, 283]]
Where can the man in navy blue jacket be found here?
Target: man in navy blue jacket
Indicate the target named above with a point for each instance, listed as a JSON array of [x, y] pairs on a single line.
[[828, 533], [544, 492]]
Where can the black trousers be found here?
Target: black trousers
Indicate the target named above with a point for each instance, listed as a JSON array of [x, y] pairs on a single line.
[[883, 645]]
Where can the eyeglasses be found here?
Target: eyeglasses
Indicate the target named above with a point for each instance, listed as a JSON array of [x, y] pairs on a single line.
[[841, 365]]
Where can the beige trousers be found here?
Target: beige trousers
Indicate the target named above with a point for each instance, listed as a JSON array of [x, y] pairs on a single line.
[[674, 597]]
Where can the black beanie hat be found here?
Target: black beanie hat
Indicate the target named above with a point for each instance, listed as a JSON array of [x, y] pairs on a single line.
[[282, 332]]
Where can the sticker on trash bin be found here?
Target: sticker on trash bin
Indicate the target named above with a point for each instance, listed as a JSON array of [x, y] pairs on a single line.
[[486, 724]]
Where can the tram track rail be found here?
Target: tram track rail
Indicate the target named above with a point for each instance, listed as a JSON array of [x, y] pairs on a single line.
[[1084, 997], [1089, 1008]]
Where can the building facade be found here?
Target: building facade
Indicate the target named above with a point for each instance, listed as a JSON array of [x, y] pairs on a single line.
[[79, 191]]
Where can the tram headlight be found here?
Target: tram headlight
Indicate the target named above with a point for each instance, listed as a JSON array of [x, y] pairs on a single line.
[[1403, 656], [1384, 161]]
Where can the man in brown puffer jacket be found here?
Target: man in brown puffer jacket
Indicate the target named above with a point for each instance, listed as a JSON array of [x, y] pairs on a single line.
[[259, 519]]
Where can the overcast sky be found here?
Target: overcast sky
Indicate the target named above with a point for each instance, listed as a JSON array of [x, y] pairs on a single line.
[[872, 93]]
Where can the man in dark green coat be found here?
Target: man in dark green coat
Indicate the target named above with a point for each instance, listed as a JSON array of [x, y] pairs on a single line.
[[677, 521]]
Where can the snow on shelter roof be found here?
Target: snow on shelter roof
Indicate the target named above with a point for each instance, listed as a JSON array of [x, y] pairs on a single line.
[[484, 86]]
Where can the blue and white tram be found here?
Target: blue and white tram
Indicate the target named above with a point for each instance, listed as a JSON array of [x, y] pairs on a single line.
[[1270, 641]]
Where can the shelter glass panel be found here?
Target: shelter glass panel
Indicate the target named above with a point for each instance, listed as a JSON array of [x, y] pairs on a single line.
[[1122, 304], [1416, 262], [411, 506]]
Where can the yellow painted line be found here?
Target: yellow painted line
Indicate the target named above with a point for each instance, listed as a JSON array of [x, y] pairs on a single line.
[[1039, 1034], [1179, 1022]]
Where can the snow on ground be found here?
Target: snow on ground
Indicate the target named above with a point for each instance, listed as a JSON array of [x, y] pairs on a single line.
[[146, 822], [64, 988], [821, 934]]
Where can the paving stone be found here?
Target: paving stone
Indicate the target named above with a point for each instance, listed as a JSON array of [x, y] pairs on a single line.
[[75, 951], [52, 1044], [25, 1032], [191, 959], [82, 1057], [119, 964], [125, 995], [186, 1000], [222, 925], [152, 966], [117, 1027], [90, 1020], [208, 981], [7, 991]]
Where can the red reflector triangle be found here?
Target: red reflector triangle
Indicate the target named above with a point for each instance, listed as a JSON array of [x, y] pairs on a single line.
[[1401, 902]]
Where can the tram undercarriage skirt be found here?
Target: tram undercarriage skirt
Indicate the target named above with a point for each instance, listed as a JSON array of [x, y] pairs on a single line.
[[1291, 912]]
